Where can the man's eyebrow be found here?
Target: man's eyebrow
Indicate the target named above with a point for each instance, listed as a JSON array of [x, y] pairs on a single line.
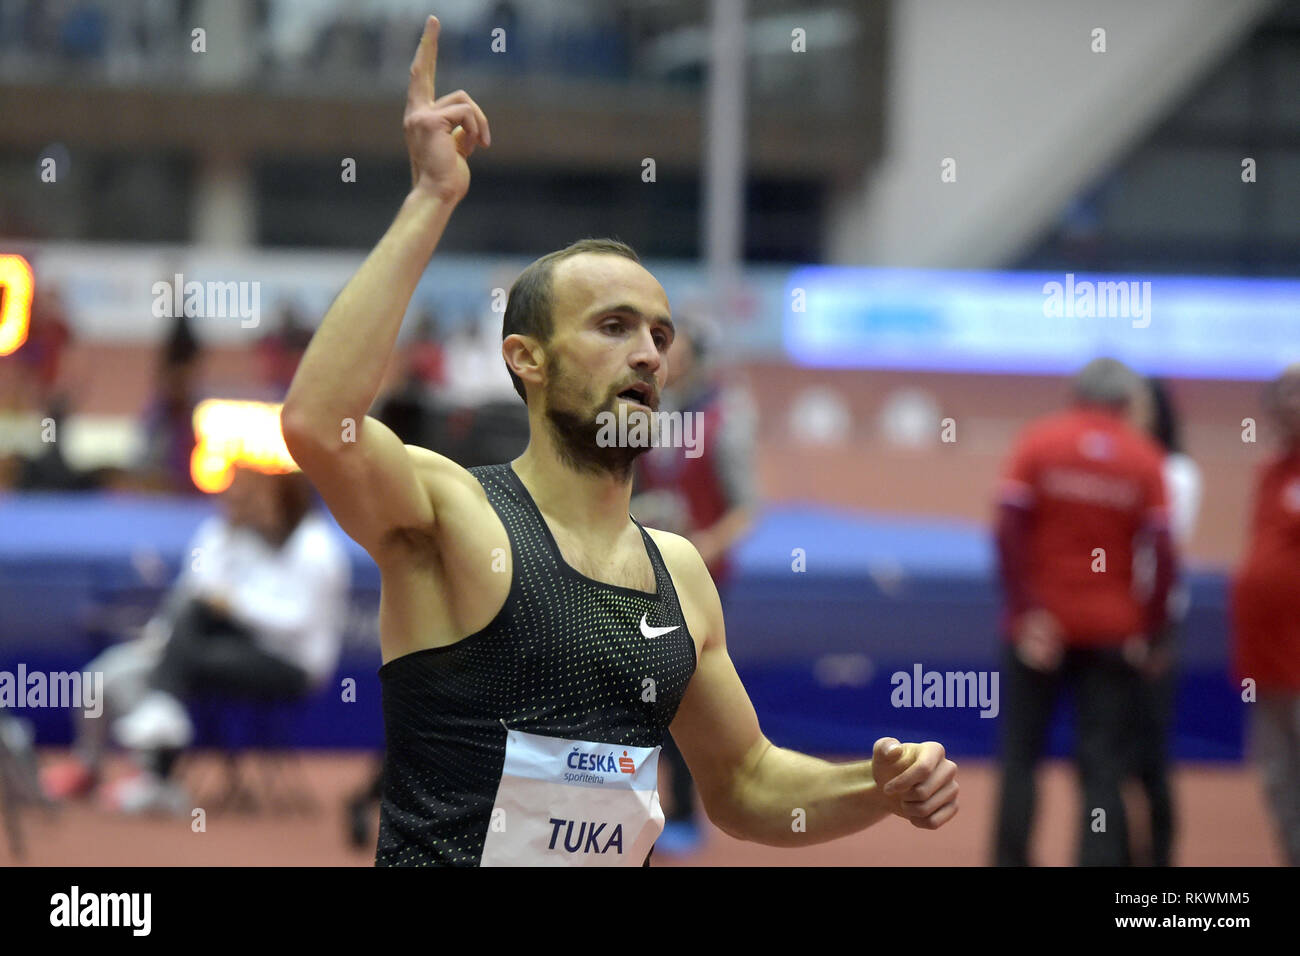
[[633, 310]]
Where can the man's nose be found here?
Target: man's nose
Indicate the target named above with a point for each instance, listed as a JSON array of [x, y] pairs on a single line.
[[646, 354]]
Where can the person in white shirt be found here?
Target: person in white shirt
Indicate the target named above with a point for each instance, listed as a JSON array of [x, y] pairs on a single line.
[[1153, 723], [257, 612]]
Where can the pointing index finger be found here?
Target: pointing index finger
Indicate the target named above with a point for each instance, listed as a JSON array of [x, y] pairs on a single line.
[[425, 65]]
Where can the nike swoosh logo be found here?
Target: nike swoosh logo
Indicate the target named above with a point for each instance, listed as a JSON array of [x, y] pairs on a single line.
[[648, 631]]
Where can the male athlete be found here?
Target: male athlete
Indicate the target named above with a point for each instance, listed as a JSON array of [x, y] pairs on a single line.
[[538, 643]]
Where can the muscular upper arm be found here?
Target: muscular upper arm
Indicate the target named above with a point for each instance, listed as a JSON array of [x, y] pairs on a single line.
[[372, 484], [716, 727]]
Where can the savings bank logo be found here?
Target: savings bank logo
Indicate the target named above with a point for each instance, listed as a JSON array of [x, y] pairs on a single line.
[[590, 767]]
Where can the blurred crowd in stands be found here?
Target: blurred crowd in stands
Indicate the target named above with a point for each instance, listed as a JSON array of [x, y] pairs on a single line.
[[450, 395], [121, 39]]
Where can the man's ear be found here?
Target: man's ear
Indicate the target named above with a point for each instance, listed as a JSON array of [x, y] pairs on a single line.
[[524, 356]]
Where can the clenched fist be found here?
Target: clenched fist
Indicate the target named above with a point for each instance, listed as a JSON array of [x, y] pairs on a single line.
[[918, 782], [441, 134]]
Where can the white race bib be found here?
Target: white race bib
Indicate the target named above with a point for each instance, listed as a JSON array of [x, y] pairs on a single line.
[[574, 803]]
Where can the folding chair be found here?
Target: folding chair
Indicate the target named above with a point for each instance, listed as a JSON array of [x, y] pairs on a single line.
[[277, 782]]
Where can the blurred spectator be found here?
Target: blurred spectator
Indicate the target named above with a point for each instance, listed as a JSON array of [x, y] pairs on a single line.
[[34, 378], [479, 420], [50, 471], [169, 419], [103, 33], [411, 408], [709, 498], [282, 350], [426, 361], [37, 362], [257, 612], [314, 39], [1266, 616], [1080, 487], [1154, 414], [474, 372]]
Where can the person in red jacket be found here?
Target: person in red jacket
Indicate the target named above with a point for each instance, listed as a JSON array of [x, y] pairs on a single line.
[[707, 494], [1266, 616], [1080, 487]]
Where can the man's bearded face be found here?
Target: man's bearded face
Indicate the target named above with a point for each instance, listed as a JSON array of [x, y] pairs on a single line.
[[572, 410]]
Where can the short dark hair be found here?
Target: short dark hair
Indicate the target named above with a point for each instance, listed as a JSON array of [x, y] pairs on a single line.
[[529, 305], [1166, 428], [293, 493]]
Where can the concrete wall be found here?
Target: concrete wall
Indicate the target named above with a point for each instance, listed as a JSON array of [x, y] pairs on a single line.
[[1013, 92]]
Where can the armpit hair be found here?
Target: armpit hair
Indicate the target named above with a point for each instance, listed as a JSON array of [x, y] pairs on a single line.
[[419, 543]]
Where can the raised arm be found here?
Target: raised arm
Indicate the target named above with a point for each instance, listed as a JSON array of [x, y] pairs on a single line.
[[366, 475]]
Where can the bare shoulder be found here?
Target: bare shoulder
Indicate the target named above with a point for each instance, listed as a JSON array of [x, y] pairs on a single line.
[[441, 476], [690, 575], [427, 461], [678, 552]]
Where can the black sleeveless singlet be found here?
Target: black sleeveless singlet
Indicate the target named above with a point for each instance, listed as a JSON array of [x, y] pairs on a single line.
[[564, 657]]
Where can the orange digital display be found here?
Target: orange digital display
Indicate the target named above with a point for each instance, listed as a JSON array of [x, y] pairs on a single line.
[[16, 286], [234, 433]]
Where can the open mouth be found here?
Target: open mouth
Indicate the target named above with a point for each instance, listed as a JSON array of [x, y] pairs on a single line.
[[640, 393]]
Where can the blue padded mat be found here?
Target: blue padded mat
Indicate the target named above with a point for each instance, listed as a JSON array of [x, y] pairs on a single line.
[[825, 606]]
